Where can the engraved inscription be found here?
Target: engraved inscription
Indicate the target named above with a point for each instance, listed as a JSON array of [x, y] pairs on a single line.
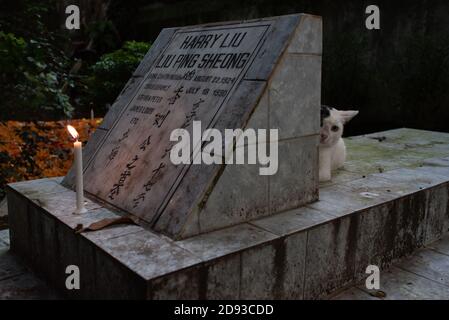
[[190, 80]]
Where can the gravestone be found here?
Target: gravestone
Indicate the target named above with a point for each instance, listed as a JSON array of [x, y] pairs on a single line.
[[260, 74]]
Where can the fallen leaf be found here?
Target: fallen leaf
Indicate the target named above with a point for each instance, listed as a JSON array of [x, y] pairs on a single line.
[[378, 294], [103, 223]]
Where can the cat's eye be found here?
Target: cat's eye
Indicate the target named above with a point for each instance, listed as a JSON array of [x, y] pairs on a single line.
[[335, 128]]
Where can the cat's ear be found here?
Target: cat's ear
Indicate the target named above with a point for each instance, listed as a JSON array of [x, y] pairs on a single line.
[[347, 115]]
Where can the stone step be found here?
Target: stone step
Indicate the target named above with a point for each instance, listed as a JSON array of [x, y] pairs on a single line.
[[424, 275], [411, 278], [16, 281], [391, 198], [3, 214]]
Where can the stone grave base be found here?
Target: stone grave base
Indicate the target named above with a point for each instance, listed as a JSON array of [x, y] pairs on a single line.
[[391, 198]]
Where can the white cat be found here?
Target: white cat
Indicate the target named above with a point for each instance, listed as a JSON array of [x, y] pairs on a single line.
[[332, 146]]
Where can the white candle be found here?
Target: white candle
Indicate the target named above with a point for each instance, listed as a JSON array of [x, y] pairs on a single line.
[[78, 152]]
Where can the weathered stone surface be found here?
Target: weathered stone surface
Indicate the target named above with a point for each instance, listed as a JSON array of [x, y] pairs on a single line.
[[412, 137], [62, 203], [342, 199], [330, 256], [292, 221], [387, 229], [421, 178], [341, 176], [272, 48], [178, 102], [226, 241], [303, 253], [257, 275], [44, 246], [353, 293], [192, 196], [25, 287], [378, 231], [185, 284], [437, 220], [147, 254], [259, 118], [411, 224], [9, 266], [4, 236], [223, 278], [390, 231], [75, 250], [275, 270], [441, 171], [3, 210], [403, 285], [400, 148], [241, 194], [111, 232], [339, 200], [382, 186], [135, 81], [18, 222], [441, 246], [290, 261], [57, 179], [70, 253], [296, 181], [38, 186], [428, 264], [85, 219], [296, 117], [436, 162], [127, 284], [308, 36], [121, 102], [126, 163]]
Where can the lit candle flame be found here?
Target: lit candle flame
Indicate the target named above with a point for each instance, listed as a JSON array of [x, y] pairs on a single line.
[[73, 132]]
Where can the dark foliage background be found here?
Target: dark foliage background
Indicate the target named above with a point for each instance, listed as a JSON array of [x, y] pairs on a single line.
[[34, 75], [49, 73], [397, 76]]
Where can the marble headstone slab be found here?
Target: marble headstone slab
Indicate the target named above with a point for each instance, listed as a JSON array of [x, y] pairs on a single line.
[[217, 74]]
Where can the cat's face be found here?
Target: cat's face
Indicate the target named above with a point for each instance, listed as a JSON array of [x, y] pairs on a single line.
[[332, 122]]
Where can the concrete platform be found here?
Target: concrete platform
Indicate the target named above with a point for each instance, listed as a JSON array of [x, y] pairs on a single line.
[[423, 275], [391, 198], [16, 280]]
